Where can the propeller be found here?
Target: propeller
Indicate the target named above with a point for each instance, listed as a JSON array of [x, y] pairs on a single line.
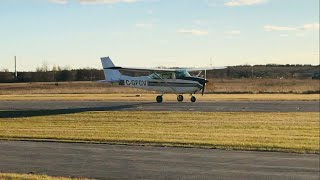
[[204, 85]]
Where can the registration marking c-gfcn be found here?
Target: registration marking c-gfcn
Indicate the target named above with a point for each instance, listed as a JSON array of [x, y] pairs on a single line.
[[136, 83]]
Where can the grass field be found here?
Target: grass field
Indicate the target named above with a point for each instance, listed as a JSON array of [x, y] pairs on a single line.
[[285, 132], [169, 97], [14, 176], [233, 86]]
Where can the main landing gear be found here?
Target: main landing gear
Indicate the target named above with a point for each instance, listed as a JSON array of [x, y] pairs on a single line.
[[159, 99], [180, 98]]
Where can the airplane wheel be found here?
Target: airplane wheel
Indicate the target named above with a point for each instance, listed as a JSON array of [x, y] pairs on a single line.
[[180, 98], [159, 99], [193, 99]]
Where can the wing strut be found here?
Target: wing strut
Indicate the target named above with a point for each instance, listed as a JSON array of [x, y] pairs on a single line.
[[166, 83]]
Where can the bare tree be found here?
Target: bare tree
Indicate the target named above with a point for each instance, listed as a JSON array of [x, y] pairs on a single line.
[[43, 68], [4, 70]]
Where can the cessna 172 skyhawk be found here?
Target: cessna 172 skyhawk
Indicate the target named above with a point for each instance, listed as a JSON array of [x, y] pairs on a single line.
[[177, 81]]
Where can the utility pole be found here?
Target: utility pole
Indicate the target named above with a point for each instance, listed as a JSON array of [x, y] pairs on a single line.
[[15, 68], [252, 71]]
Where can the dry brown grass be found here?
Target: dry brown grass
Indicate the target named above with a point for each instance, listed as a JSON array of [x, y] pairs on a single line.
[[264, 86], [214, 86], [15, 176]]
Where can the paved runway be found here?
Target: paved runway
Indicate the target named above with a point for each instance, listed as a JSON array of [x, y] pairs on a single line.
[[103, 161], [214, 106]]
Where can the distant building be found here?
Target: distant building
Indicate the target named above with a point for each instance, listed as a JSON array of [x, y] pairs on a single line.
[[302, 75], [316, 76]]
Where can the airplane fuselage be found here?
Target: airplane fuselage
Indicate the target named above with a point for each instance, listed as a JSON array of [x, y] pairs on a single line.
[[178, 86]]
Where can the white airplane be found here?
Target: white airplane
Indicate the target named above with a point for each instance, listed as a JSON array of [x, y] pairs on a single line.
[[177, 81]]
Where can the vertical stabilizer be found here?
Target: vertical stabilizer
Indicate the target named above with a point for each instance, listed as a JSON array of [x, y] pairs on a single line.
[[110, 75]]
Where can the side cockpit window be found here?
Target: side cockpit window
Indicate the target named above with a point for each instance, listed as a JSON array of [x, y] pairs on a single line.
[[161, 76], [155, 76]]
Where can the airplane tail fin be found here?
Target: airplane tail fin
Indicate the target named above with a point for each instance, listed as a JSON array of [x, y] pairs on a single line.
[[110, 75]]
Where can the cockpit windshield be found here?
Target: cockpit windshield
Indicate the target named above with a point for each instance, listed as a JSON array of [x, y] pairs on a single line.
[[182, 73], [170, 75]]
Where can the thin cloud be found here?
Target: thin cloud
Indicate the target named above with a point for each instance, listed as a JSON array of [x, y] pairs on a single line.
[[312, 26], [97, 1], [278, 28], [233, 32], [284, 35], [244, 2], [106, 1], [199, 22], [300, 35], [305, 27], [150, 11], [195, 32], [144, 25], [59, 1]]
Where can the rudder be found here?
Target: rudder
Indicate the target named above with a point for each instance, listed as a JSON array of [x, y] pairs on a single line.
[[110, 75]]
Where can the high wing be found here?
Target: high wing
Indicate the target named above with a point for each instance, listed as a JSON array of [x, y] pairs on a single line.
[[141, 69], [161, 70], [204, 69]]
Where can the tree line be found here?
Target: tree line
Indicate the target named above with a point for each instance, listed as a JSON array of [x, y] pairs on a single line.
[[53, 76], [57, 74]]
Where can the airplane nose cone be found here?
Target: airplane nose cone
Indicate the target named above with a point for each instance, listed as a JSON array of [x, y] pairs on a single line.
[[200, 80], [204, 81]]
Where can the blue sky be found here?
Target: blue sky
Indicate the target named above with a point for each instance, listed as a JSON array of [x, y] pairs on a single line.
[[149, 33]]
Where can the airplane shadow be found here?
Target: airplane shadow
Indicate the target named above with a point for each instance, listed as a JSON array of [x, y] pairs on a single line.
[[48, 112]]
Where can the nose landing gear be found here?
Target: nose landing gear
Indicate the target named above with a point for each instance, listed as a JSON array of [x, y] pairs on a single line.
[[193, 99]]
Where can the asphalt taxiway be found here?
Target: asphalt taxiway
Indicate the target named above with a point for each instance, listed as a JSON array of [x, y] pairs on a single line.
[[213, 106], [102, 161]]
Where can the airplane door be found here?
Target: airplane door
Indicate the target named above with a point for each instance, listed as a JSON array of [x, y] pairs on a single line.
[[174, 76]]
